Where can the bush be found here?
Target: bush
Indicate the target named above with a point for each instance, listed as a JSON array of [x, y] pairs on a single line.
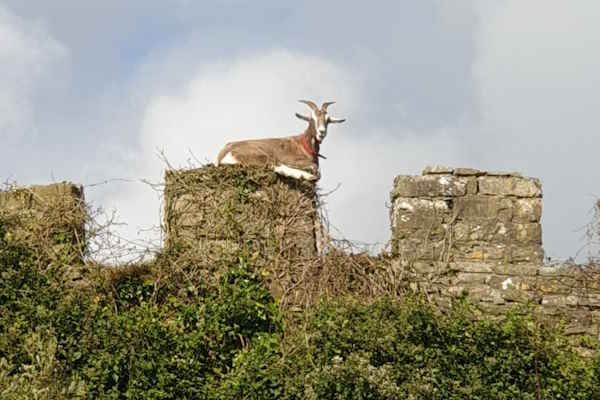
[[390, 350], [137, 334]]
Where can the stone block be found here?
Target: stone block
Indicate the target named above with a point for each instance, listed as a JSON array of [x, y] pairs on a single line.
[[503, 173], [527, 233], [484, 207], [472, 267], [414, 212], [528, 210], [429, 186], [494, 231], [486, 294], [468, 172], [437, 169], [414, 249], [560, 300], [479, 253], [509, 186], [522, 270], [527, 254], [471, 183], [470, 278]]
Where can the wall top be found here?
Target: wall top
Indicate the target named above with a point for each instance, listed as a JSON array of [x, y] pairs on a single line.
[[443, 170]]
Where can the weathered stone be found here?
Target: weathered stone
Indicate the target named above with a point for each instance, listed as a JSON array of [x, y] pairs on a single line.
[[528, 210], [425, 268], [480, 252], [484, 207], [471, 267], [487, 294], [509, 186], [416, 250], [522, 270], [560, 301], [471, 183], [504, 173], [526, 254], [415, 212], [527, 233], [516, 295], [470, 232], [470, 277], [429, 186], [590, 300], [468, 172], [437, 169], [578, 329], [503, 282], [494, 231]]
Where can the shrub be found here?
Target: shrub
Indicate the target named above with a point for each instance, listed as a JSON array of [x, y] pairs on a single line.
[[136, 333], [390, 349]]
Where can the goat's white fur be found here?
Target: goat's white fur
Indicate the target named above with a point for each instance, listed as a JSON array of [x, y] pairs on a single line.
[[228, 159], [293, 172]]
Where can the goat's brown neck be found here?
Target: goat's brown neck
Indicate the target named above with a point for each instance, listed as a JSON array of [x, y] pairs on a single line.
[[309, 142]]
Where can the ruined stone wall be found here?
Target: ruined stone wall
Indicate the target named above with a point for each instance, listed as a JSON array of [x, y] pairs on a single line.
[[455, 232], [467, 215], [458, 231], [560, 293], [227, 209], [49, 217]]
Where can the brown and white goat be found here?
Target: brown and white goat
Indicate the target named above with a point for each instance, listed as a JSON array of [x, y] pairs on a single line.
[[292, 156]]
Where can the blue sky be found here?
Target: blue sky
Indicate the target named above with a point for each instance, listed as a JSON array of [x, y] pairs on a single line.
[[92, 91]]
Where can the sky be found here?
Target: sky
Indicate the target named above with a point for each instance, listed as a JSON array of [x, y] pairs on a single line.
[[98, 93]]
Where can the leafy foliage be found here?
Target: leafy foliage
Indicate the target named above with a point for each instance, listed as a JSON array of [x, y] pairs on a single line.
[[136, 334], [390, 350]]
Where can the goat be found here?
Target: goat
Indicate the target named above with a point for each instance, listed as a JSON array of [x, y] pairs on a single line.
[[290, 156]]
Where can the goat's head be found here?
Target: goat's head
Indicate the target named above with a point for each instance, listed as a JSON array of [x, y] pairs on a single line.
[[319, 118]]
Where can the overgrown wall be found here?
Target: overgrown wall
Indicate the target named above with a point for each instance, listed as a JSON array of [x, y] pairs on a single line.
[[50, 218], [462, 231], [467, 215], [455, 232], [232, 208], [214, 215]]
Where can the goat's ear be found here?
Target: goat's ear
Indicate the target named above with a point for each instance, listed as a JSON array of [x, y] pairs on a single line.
[[303, 117], [336, 120]]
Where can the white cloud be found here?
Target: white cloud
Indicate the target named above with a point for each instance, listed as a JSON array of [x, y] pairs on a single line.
[[28, 58]]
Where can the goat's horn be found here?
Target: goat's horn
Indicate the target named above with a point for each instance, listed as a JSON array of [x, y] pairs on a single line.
[[336, 120], [326, 104], [303, 117], [309, 103]]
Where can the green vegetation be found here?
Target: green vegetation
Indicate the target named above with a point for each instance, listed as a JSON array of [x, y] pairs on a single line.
[[147, 332]]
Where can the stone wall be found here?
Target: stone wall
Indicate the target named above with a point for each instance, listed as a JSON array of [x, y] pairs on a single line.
[[459, 231], [558, 293], [465, 214], [220, 211], [51, 217], [455, 232]]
